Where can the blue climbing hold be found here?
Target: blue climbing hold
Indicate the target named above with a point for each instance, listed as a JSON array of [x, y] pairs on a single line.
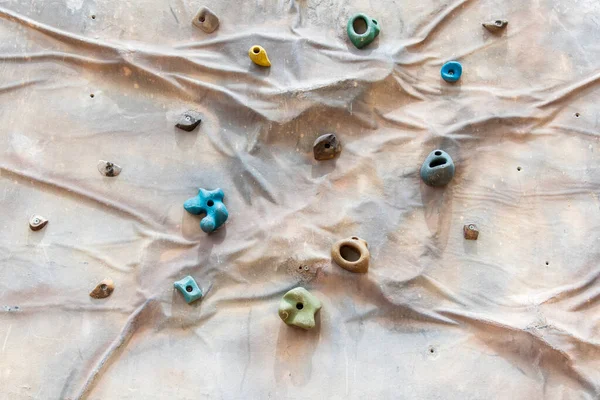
[[438, 169], [189, 289], [209, 202], [451, 71]]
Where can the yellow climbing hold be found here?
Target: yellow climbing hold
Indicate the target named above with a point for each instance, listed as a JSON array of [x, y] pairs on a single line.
[[259, 56]]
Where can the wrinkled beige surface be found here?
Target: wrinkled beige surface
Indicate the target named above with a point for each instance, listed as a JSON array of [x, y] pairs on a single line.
[[513, 315]]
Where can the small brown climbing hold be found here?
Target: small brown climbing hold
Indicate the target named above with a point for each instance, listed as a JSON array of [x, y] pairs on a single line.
[[352, 254], [107, 168], [206, 20], [495, 25], [37, 222], [471, 232], [326, 147], [103, 290]]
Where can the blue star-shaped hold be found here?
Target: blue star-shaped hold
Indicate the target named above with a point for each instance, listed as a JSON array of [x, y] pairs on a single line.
[[209, 202]]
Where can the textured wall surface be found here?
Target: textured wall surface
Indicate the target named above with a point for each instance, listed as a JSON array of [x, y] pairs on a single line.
[[513, 315]]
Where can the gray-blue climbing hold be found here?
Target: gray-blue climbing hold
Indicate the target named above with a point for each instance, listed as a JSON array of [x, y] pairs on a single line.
[[189, 289], [438, 169], [209, 202], [451, 71]]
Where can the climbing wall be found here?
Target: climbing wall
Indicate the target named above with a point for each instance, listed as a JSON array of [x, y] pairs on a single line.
[[512, 315]]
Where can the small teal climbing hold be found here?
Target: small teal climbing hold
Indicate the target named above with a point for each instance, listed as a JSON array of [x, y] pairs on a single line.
[[189, 289], [451, 71], [438, 169], [362, 30], [209, 202]]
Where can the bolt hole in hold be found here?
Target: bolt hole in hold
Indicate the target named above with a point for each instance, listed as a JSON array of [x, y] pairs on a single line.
[[375, 22], [202, 18], [349, 253], [359, 25], [327, 145], [299, 306], [210, 203], [103, 286], [499, 23], [354, 238], [438, 153], [256, 50], [188, 288], [437, 162]]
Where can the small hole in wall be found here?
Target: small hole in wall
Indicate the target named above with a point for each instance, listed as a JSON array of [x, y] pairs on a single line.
[[210, 203], [299, 306], [349, 253], [518, 168], [432, 350], [547, 263], [188, 288], [92, 95], [577, 115], [93, 17], [360, 25], [437, 162]]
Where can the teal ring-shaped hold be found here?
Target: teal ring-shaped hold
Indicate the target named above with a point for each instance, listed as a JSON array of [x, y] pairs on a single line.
[[361, 40], [451, 71]]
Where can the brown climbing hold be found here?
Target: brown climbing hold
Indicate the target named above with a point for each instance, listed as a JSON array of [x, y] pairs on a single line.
[[352, 254], [471, 232], [37, 222], [103, 290], [206, 20], [326, 147], [495, 25]]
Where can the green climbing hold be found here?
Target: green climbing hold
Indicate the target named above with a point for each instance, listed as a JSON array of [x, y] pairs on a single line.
[[298, 308], [362, 30], [189, 289]]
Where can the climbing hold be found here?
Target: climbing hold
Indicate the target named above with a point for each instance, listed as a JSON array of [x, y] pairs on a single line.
[[209, 202], [107, 168], [103, 289], [37, 222], [189, 289], [206, 20], [189, 121], [496, 25], [362, 30], [352, 254], [471, 232], [326, 147], [259, 56], [438, 169], [451, 71], [298, 308]]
